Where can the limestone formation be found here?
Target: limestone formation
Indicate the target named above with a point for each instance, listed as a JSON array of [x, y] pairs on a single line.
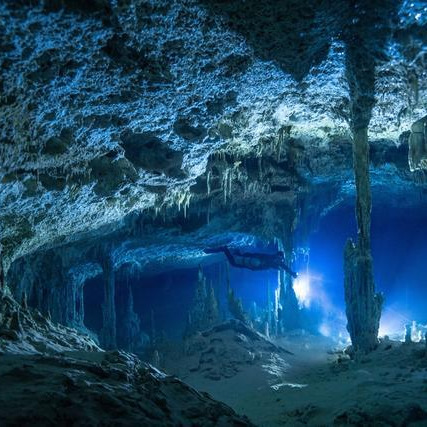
[[235, 306], [227, 349], [262, 102], [109, 327], [102, 388], [129, 334], [134, 134], [289, 313], [204, 312], [43, 386], [418, 145], [363, 305], [27, 331]]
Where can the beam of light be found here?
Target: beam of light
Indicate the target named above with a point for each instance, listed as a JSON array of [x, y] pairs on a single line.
[[308, 288], [303, 290], [325, 329], [310, 292]]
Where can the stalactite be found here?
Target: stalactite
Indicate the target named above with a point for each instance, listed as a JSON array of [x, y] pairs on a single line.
[[187, 204], [208, 182], [226, 183], [182, 199]]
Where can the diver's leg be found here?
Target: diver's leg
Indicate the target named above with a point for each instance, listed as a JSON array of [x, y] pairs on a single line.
[[226, 251], [213, 250]]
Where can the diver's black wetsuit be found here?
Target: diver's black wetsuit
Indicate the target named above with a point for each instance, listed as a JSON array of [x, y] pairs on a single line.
[[254, 261]]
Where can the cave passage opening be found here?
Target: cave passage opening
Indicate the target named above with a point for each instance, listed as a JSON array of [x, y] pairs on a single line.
[[93, 295], [161, 301], [398, 247]]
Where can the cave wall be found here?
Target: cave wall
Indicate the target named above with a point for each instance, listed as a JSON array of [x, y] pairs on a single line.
[[108, 108], [139, 132]]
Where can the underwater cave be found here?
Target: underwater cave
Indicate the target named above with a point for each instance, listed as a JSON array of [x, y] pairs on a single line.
[[213, 213]]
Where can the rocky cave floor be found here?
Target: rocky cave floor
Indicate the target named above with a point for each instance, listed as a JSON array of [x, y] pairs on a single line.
[[298, 380], [318, 384]]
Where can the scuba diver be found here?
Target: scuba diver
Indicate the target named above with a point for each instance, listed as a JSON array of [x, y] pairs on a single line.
[[254, 261]]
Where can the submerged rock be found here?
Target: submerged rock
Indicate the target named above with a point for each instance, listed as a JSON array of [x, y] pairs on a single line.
[[26, 331], [101, 389], [229, 348], [52, 375]]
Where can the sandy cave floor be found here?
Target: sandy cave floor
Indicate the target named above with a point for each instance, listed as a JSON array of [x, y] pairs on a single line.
[[320, 386]]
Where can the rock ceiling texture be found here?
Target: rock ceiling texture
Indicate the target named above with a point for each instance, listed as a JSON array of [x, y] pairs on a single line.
[[230, 113]]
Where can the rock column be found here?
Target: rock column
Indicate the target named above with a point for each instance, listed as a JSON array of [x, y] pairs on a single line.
[[366, 39], [130, 323], [108, 333], [363, 305], [289, 314]]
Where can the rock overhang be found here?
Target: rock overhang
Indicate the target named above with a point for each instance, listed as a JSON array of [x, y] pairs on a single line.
[[81, 92]]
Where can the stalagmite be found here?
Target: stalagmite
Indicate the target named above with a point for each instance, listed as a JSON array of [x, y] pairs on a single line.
[[211, 308], [80, 308], [408, 333], [363, 305], [289, 314], [129, 324], [204, 312], [235, 306]]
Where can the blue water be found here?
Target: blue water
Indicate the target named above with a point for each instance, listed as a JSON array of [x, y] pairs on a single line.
[[399, 250]]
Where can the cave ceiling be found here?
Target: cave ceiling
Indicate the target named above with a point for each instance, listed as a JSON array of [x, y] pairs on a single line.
[[174, 122]]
